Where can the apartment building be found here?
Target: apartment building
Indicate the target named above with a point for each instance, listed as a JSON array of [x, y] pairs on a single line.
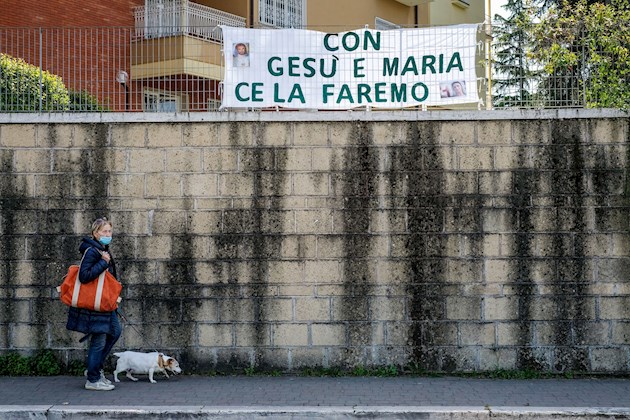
[[166, 55]]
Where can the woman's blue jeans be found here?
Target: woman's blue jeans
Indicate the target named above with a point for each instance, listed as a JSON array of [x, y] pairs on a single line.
[[100, 346]]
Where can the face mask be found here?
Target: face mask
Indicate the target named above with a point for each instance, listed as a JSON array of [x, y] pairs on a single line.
[[105, 240]]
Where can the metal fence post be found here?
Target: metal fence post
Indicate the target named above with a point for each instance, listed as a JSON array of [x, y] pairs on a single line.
[[41, 64]]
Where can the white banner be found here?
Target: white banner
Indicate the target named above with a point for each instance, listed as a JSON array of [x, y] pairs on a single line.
[[295, 68]]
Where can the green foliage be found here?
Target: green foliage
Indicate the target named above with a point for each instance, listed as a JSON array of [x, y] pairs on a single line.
[[75, 368], [83, 101], [20, 87], [250, 371], [20, 90], [45, 364], [514, 72], [589, 44], [14, 364]]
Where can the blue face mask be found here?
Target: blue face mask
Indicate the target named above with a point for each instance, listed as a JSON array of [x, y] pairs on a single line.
[[105, 240]]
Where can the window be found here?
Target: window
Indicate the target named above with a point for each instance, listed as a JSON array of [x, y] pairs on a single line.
[[161, 101], [384, 25], [282, 13]]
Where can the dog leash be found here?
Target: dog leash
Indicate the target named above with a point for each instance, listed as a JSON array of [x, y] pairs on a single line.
[[126, 320]]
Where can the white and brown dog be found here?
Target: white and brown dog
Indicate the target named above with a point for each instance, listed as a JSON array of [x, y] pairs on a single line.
[[144, 363]]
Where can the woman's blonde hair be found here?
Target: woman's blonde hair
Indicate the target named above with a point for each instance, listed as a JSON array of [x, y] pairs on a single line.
[[99, 223]]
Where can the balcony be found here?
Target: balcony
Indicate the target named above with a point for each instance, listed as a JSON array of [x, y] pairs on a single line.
[[178, 37]]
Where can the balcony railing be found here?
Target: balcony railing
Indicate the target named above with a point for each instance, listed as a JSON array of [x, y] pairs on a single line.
[[181, 17]]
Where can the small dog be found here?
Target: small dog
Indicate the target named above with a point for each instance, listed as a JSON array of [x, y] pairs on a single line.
[[143, 363]]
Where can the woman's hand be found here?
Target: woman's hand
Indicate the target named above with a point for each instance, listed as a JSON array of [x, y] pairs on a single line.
[[106, 257]]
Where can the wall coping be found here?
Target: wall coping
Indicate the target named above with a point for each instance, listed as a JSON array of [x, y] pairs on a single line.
[[308, 116]]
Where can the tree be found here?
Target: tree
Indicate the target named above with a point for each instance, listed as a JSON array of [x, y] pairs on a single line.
[[513, 74], [585, 51]]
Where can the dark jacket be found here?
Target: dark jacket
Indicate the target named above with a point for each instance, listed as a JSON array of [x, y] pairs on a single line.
[[83, 320]]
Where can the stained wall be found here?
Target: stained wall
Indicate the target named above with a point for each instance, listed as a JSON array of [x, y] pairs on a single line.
[[441, 241]]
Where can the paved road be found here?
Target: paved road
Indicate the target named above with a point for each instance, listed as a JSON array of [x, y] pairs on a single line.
[[251, 393]]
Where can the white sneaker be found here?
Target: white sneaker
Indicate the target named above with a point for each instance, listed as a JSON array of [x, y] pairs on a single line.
[[98, 386], [103, 378]]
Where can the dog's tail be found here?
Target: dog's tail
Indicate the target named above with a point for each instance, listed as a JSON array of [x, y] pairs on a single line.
[[118, 354]]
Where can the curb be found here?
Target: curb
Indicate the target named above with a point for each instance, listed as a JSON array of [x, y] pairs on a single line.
[[58, 412]]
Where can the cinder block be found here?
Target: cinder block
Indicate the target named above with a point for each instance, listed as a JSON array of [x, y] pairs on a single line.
[[163, 185], [23, 336], [200, 134], [200, 185], [495, 183], [511, 334], [383, 308], [183, 160], [322, 272], [494, 132], [477, 334], [220, 159], [496, 220], [18, 135], [302, 358], [312, 309], [204, 222], [91, 135], [475, 158], [126, 186], [155, 247], [164, 135], [463, 270], [274, 134], [146, 160], [298, 159], [614, 307], [299, 246], [323, 158], [461, 182], [389, 133], [620, 332], [54, 135], [285, 272], [313, 221], [457, 132], [128, 135], [501, 308], [496, 359], [32, 160], [277, 309], [463, 308], [216, 335], [609, 360], [236, 134], [388, 221], [608, 130], [313, 183], [290, 335], [310, 134], [236, 185]]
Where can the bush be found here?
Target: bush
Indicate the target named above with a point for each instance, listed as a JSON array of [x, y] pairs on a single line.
[[20, 87]]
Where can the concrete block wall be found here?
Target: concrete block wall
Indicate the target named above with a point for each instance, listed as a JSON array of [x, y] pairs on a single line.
[[445, 241]]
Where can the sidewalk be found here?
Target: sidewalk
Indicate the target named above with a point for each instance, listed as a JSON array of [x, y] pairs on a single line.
[[291, 397]]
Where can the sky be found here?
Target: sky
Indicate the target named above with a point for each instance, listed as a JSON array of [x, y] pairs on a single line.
[[495, 6]]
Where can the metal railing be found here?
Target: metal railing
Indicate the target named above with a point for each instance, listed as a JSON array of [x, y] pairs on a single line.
[[179, 67], [181, 17]]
